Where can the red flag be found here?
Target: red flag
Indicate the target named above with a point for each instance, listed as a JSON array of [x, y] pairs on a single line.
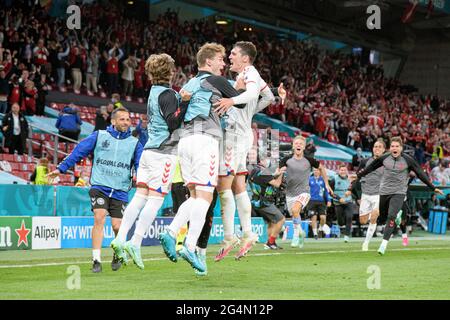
[[409, 11]]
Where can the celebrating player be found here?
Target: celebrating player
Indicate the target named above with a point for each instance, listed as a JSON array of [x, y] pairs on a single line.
[[298, 169], [159, 158], [394, 184], [370, 198]]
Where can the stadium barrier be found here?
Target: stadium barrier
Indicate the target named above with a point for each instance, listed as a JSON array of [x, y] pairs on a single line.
[[24, 233]]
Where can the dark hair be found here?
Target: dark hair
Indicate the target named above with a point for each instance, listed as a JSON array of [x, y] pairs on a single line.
[[247, 49]]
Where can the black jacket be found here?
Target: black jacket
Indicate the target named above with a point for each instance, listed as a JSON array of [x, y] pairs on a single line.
[[8, 120]]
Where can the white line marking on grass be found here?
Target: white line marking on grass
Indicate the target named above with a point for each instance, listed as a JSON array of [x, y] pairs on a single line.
[[52, 264]]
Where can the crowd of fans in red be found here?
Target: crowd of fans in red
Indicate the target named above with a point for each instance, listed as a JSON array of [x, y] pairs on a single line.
[[331, 94]]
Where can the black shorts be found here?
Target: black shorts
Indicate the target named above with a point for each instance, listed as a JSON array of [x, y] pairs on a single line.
[[317, 208], [114, 207], [390, 205], [270, 214]]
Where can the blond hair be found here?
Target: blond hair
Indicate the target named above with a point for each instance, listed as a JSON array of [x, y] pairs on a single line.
[[208, 51], [398, 140], [302, 138], [160, 68]]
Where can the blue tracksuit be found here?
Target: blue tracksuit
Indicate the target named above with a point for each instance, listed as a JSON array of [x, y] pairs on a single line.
[[318, 191]]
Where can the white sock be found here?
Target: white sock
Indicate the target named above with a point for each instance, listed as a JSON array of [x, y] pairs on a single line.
[[244, 207], [404, 235], [370, 231], [201, 251], [196, 222], [315, 231], [182, 217], [228, 210], [96, 255], [297, 229], [130, 215], [384, 244], [320, 228], [146, 218]]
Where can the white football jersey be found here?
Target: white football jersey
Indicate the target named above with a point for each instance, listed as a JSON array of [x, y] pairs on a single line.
[[239, 121]]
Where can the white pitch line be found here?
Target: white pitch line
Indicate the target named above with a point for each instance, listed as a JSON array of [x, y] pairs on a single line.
[[51, 264]]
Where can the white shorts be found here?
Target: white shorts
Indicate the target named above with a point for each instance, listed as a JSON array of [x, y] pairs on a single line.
[[233, 157], [368, 204], [156, 170], [302, 198], [199, 160]]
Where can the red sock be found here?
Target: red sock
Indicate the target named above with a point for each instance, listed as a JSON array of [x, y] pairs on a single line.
[[272, 239]]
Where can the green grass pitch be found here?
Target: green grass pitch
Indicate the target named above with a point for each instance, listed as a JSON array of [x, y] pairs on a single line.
[[323, 269]]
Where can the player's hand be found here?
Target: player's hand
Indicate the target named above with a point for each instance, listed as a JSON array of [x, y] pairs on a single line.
[[439, 191], [240, 84], [282, 92], [348, 193], [342, 200], [223, 105], [185, 95], [53, 174], [329, 204]]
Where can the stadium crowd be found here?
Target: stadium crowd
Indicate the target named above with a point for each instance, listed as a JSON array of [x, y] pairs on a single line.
[[331, 94]]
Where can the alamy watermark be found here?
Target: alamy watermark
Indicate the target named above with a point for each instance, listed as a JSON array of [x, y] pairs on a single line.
[[74, 20], [374, 281], [73, 282], [374, 20]]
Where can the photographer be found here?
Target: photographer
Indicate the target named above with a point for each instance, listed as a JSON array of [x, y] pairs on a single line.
[[263, 183]]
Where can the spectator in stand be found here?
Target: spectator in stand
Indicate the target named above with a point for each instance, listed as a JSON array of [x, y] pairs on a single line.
[[68, 124], [15, 130], [30, 93], [112, 67], [4, 90], [332, 136], [61, 66], [109, 109], [101, 119], [92, 72], [441, 174], [40, 54], [42, 91], [141, 129], [76, 66], [130, 64]]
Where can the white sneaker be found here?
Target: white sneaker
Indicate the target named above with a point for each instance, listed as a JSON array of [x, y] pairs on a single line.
[[346, 239], [365, 246]]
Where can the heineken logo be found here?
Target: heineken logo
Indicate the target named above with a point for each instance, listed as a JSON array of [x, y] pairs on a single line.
[[15, 233], [22, 233]]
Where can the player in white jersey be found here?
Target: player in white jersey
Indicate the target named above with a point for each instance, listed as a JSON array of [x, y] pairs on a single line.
[[238, 140]]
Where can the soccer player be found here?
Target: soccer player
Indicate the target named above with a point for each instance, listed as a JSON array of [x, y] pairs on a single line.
[[394, 184], [320, 200], [115, 153], [298, 169], [370, 198], [158, 162], [262, 183], [343, 203], [238, 140], [198, 151]]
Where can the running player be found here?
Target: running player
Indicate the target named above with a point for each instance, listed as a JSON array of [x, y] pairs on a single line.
[[298, 170], [370, 198], [158, 161], [238, 140], [394, 184], [198, 151]]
